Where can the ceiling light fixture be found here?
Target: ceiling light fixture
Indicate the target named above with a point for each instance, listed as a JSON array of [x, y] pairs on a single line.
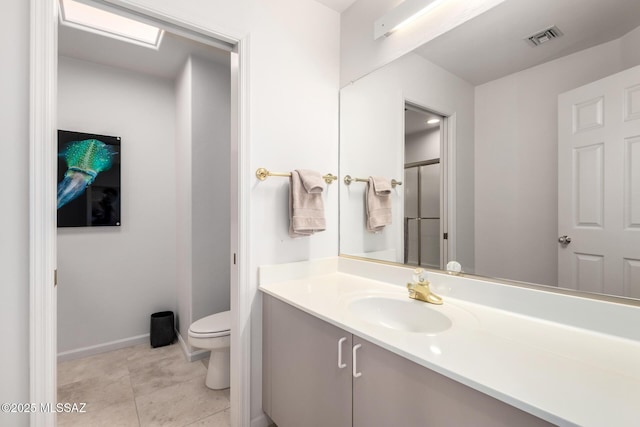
[[84, 17], [433, 121], [403, 14]]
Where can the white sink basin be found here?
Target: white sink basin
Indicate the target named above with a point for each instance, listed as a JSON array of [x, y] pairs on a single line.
[[400, 314]]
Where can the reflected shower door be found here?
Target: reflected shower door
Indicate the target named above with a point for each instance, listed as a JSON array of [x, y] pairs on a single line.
[[422, 214]]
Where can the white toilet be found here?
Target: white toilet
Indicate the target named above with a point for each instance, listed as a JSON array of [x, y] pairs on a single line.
[[213, 333]]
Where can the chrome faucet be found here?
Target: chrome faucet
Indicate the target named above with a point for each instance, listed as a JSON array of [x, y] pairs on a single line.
[[419, 289]]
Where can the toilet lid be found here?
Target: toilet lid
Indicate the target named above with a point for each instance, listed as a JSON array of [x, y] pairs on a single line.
[[219, 322]]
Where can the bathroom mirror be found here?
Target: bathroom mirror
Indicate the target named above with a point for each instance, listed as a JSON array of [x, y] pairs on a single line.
[[504, 186]]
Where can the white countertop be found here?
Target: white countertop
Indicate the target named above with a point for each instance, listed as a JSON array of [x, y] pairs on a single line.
[[564, 374]]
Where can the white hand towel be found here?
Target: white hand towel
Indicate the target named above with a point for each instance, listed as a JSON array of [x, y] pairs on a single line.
[[378, 203], [306, 208]]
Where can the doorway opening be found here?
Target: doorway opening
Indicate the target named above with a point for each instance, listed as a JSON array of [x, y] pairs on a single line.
[[171, 105], [44, 125], [425, 232]]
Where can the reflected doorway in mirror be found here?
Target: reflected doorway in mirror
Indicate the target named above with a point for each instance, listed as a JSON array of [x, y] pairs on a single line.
[[425, 232]]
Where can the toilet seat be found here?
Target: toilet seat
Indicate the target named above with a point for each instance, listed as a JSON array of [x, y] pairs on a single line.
[[213, 326]]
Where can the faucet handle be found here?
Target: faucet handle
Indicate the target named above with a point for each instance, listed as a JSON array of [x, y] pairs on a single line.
[[418, 276]]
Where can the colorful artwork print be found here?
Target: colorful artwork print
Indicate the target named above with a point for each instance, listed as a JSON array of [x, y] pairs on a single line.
[[88, 179]]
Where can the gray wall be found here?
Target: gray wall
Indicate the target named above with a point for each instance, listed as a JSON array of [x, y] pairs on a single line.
[[210, 186], [14, 215], [372, 119], [183, 197], [516, 175], [203, 91], [112, 278], [421, 146]]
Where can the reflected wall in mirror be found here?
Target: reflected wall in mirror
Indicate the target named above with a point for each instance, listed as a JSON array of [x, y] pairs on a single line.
[[538, 143]]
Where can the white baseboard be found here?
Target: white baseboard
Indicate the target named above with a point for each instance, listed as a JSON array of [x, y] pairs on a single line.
[[103, 348], [191, 356], [261, 421]]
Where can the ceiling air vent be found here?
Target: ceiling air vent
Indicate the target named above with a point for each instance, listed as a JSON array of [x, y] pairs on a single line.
[[544, 36]]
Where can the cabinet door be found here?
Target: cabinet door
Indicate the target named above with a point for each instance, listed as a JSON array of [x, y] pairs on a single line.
[[302, 383], [393, 391]]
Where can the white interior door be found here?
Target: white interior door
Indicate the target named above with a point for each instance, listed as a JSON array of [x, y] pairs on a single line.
[[599, 186]]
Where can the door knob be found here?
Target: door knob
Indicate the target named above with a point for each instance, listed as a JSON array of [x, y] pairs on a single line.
[[564, 240]]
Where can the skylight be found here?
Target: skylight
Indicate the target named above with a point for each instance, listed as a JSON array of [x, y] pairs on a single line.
[[98, 21]]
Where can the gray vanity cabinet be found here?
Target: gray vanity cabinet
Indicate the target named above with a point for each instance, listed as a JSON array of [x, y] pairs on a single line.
[[302, 383], [394, 391], [303, 386]]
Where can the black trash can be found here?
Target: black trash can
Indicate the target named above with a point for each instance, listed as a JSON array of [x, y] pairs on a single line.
[[162, 330]]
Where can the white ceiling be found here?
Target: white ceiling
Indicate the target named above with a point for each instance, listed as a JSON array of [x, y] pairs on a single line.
[[165, 62], [491, 45], [416, 121], [485, 48], [337, 5]]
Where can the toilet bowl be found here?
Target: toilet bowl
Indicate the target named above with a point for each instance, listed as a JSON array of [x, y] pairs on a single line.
[[213, 333]]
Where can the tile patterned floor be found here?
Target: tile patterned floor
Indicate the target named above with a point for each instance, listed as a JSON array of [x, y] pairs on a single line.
[[140, 386]]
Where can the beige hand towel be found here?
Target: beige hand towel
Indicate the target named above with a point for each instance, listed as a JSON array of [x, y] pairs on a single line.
[[306, 207], [378, 203], [311, 180]]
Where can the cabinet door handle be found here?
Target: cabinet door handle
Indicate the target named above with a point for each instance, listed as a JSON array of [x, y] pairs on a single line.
[[340, 364], [356, 374]]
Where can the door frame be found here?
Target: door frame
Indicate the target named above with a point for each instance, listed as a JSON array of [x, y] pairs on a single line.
[[448, 174], [42, 204]]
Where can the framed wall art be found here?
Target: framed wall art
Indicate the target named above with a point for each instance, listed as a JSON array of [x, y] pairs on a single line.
[[88, 179]]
